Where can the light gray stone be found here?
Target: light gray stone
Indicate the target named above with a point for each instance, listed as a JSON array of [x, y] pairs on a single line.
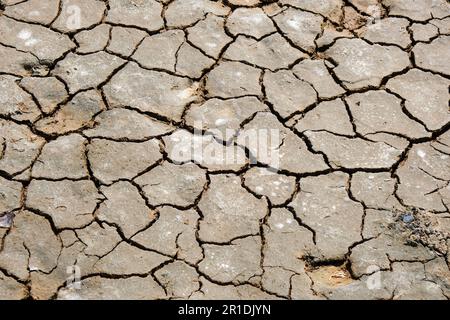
[[212, 291], [43, 12], [324, 205], [209, 35], [223, 118], [276, 187], [181, 13], [236, 263], [423, 32], [419, 10], [86, 71], [426, 96], [250, 21], [387, 31], [417, 175], [179, 185], [76, 114], [174, 234], [191, 62], [361, 65], [125, 40], [288, 94], [79, 14], [48, 91], [353, 153], [316, 73], [38, 40], [70, 204], [179, 279], [286, 242], [111, 161], [98, 288], [16, 103], [99, 239], [159, 51], [233, 79], [330, 8], [19, 147], [33, 234], [150, 91], [378, 252], [433, 56], [142, 14], [126, 259], [62, 158], [229, 211], [272, 52], [275, 145], [10, 289], [10, 195], [119, 123], [93, 40], [205, 150], [375, 190], [380, 111], [17, 62], [331, 116], [125, 208], [301, 27]]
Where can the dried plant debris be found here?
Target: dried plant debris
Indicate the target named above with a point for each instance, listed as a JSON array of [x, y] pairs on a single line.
[[425, 228]]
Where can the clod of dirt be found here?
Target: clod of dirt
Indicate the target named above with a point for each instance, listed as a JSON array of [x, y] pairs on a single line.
[[422, 227], [6, 220], [333, 276], [41, 69]]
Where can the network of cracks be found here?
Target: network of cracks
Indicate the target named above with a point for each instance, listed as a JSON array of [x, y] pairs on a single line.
[[97, 96]]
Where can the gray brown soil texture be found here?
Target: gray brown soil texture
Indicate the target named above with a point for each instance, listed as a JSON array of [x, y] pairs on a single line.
[[100, 101]]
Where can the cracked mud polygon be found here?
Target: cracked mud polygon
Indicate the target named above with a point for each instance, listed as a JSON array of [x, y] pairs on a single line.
[[129, 167]]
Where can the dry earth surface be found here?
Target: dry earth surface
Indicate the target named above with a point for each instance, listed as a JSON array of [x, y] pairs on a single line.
[[98, 97]]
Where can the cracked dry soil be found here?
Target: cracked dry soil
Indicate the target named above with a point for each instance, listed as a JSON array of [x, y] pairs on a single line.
[[91, 113]]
